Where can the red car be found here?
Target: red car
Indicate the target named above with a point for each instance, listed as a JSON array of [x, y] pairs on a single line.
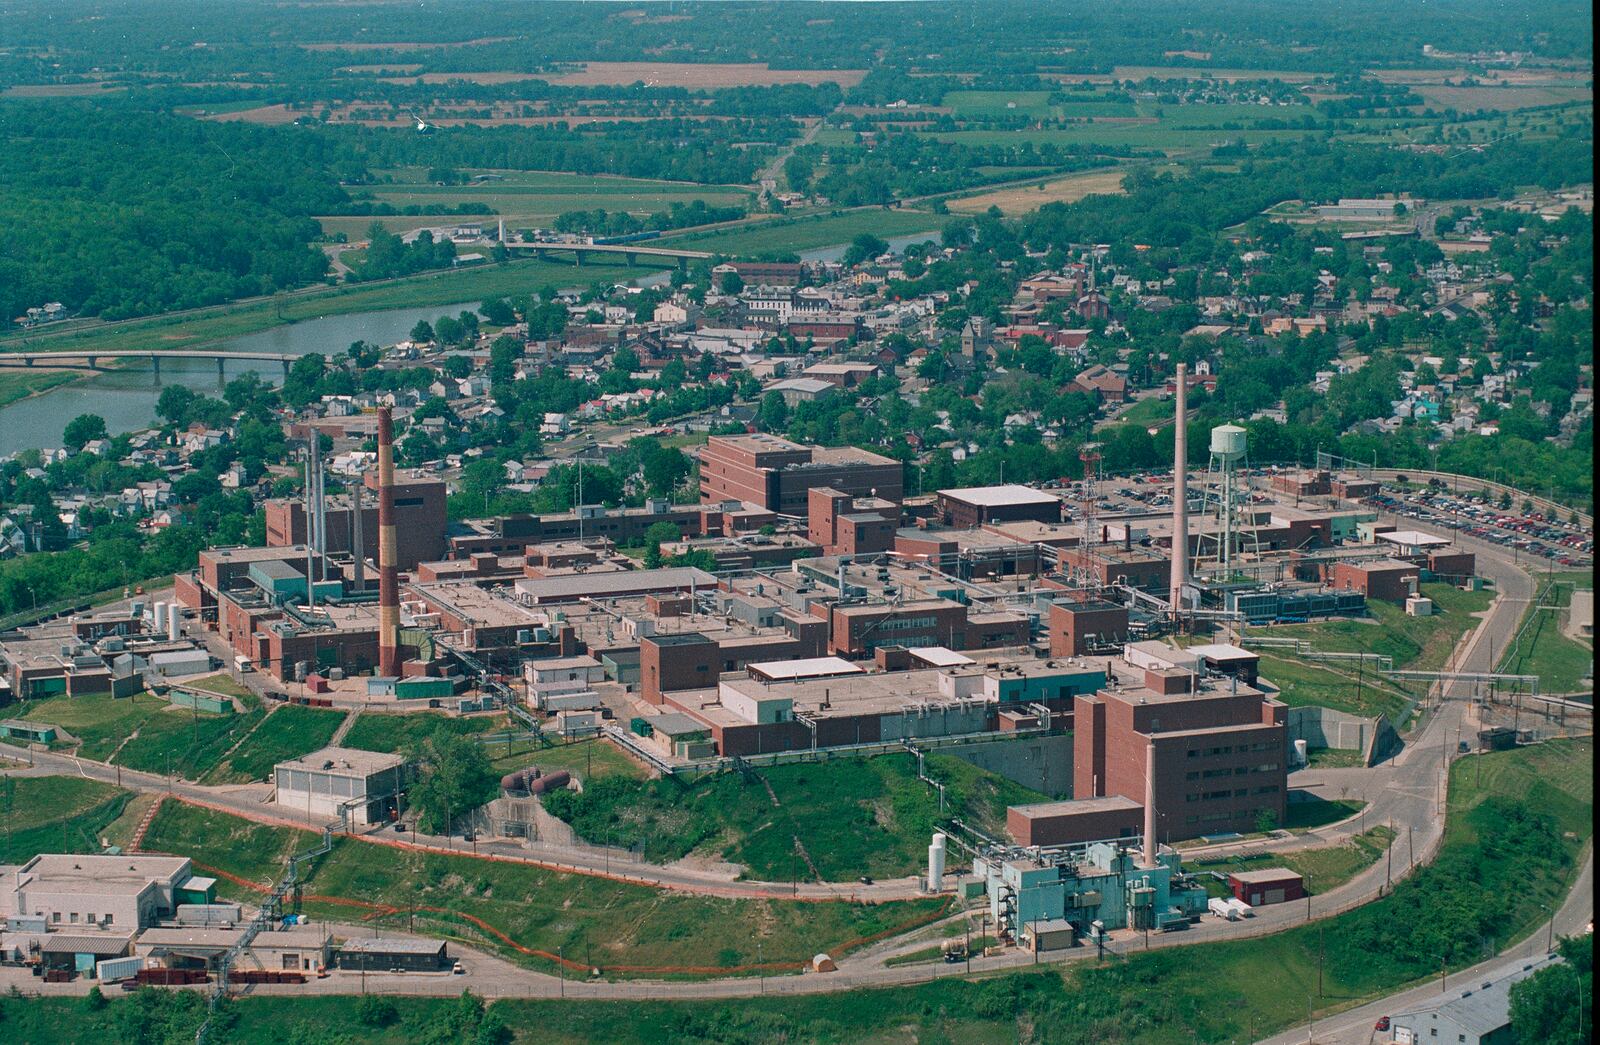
[[1382, 1024]]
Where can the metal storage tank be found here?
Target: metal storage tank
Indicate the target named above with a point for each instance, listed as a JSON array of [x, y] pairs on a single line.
[[1301, 756], [160, 611], [1228, 441], [550, 782], [174, 623]]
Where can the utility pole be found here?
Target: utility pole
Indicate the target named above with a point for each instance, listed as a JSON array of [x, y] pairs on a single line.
[[1388, 874]]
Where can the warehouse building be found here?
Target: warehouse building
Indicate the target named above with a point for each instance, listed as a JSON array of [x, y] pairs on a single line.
[[777, 475], [973, 506], [1477, 1016], [80, 893]]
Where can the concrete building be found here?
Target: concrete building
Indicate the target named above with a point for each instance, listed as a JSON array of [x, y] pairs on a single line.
[[325, 784], [1478, 1016], [1269, 885], [81, 893], [775, 474]]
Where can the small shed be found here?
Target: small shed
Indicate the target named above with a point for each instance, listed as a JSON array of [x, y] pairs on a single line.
[[823, 963], [1267, 886], [391, 955], [32, 732]]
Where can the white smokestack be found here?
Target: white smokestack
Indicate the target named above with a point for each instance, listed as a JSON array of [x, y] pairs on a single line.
[[1180, 494]]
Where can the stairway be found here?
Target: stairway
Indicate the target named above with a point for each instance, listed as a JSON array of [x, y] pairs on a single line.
[[144, 824]]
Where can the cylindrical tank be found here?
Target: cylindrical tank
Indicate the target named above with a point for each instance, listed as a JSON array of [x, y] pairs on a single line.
[[160, 611], [1300, 755], [514, 782], [300, 669], [1228, 441], [174, 623], [549, 782], [936, 863]]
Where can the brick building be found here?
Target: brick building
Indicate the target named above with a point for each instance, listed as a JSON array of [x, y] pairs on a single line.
[[691, 660], [1076, 628], [843, 525], [1388, 579], [419, 516], [974, 506], [777, 475], [1219, 754]]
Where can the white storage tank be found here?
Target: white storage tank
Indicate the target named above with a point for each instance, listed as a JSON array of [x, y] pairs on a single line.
[[1228, 441], [174, 623], [160, 611], [1301, 756], [936, 863]]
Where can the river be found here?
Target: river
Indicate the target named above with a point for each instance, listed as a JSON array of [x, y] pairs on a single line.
[[896, 244], [126, 397]]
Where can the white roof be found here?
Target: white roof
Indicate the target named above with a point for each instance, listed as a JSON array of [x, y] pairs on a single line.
[[1412, 538], [1222, 651], [997, 496], [811, 667], [941, 656]]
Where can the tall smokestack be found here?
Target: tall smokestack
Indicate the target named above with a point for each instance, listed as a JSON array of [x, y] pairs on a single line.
[[1150, 805], [388, 579], [1180, 494], [358, 547], [311, 529]]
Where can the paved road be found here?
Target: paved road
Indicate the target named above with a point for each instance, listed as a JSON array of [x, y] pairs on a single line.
[[1355, 1026]]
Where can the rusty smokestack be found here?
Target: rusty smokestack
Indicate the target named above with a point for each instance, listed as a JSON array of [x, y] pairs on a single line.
[[1150, 805], [1180, 494], [388, 575]]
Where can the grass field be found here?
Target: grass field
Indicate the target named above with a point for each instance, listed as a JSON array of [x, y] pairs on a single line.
[[99, 721], [1171, 128], [448, 287], [1301, 685], [55, 815], [379, 731], [698, 74], [832, 821], [183, 742], [226, 686], [1318, 812], [1021, 199], [592, 759], [785, 236], [1323, 869], [527, 199], [288, 732], [1541, 649], [602, 923], [20, 384], [1218, 993]]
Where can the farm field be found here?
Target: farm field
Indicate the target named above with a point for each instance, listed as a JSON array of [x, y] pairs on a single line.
[[1185, 72], [783, 236], [698, 75], [1021, 199], [621, 928], [1504, 99]]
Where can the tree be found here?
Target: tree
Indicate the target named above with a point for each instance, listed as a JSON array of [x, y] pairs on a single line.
[[774, 413], [1547, 1007], [654, 537], [498, 311], [376, 1010], [730, 282], [863, 248], [175, 404], [82, 429], [455, 778], [422, 333]]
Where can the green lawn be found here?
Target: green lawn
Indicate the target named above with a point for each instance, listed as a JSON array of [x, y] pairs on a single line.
[[1301, 685], [1318, 812], [288, 732], [1418, 643], [623, 928], [833, 820], [592, 759], [227, 686], [1505, 853], [54, 815], [379, 731], [20, 384], [1561, 663], [1147, 412], [1323, 869], [786, 235], [1333, 758], [184, 742], [99, 721]]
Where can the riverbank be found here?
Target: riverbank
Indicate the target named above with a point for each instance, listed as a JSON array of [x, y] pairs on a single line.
[[201, 327], [17, 385]]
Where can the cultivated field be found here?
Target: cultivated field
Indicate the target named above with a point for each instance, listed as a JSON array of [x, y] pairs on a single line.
[[696, 74], [55, 90], [1178, 72], [1021, 199], [403, 46], [782, 236], [270, 115], [1502, 99]]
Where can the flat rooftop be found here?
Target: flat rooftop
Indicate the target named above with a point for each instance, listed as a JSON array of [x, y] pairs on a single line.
[[1005, 495], [344, 761], [1072, 807], [609, 585], [807, 668], [1411, 538], [1265, 876], [475, 605]]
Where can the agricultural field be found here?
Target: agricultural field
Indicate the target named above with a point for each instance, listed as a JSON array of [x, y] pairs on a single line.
[[700, 75], [830, 821], [1023, 198], [288, 732], [1501, 99], [55, 815], [525, 199], [623, 929], [779, 236]]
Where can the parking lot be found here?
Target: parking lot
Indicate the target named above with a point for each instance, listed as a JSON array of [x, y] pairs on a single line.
[[1481, 516]]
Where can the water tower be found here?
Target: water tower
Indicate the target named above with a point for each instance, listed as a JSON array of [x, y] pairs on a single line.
[[1227, 454]]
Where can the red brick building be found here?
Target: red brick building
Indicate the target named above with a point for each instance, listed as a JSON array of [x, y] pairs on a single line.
[[1064, 823], [843, 525], [690, 660], [1219, 755], [971, 507], [420, 520], [777, 475], [1076, 626], [1388, 579]]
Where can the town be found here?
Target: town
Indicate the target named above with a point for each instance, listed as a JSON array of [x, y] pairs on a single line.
[[1017, 599]]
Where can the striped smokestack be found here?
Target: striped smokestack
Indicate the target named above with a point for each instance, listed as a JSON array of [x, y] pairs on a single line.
[[1180, 495], [388, 577]]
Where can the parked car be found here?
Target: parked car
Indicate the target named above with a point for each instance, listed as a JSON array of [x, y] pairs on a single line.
[[1382, 1024]]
